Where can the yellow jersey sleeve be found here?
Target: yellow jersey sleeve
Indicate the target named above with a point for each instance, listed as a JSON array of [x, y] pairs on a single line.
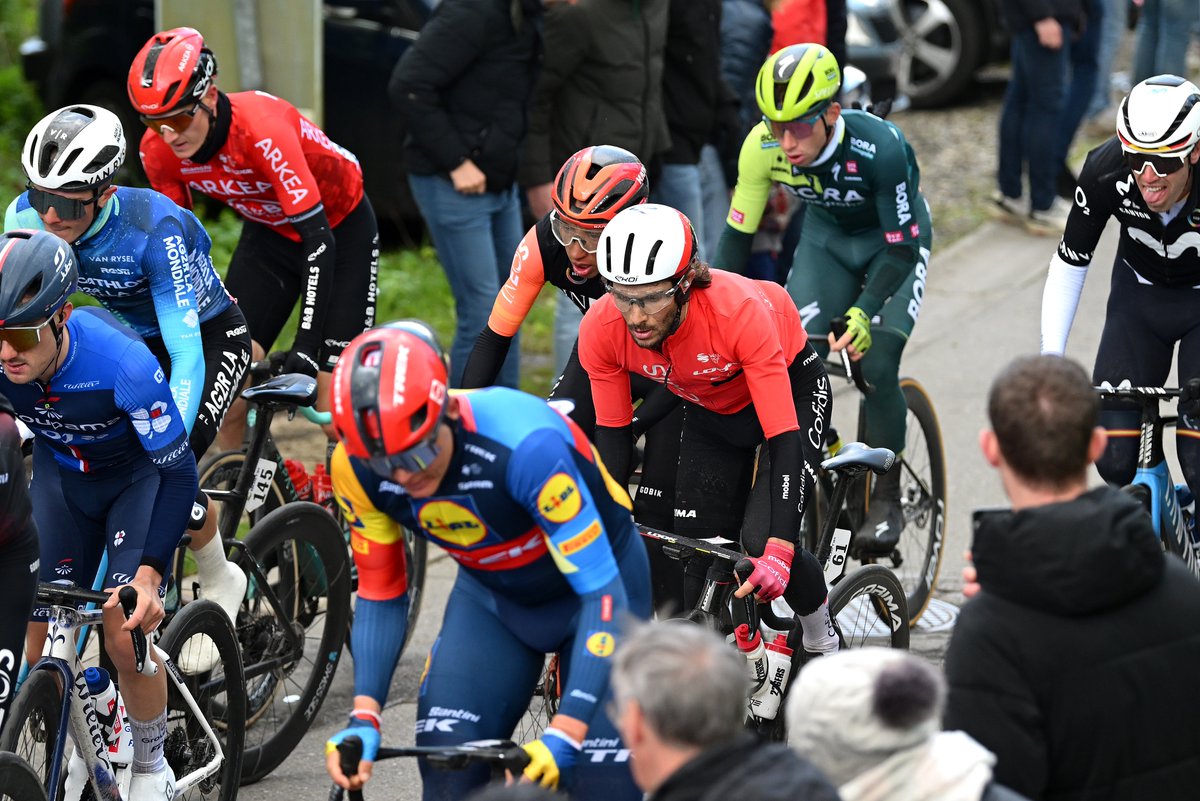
[[759, 150]]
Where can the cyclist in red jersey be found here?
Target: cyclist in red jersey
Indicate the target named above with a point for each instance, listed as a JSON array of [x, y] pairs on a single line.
[[734, 350], [310, 233]]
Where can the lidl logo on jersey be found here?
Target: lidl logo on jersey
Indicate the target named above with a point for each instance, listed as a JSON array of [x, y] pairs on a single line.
[[148, 422], [601, 644], [451, 522], [559, 499]]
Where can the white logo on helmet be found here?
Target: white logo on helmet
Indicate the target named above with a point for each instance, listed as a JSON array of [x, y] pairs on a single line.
[[399, 383]]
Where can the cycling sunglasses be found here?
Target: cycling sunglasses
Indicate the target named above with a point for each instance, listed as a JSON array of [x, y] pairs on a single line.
[[1162, 165], [67, 208], [178, 121], [801, 128], [565, 233], [411, 460], [24, 337], [650, 304]]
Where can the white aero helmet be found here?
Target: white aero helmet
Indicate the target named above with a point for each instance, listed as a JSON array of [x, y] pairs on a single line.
[[1161, 115], [77, 147], [647, 243]]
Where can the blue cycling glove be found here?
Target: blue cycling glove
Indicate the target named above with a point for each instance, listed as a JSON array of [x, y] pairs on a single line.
[[363, 728], [551, 758]]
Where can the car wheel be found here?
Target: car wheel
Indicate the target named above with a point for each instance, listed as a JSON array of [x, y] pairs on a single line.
[[943, 44]]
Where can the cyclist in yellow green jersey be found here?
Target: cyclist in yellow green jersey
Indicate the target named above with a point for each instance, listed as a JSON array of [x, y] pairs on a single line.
[[865, 245]]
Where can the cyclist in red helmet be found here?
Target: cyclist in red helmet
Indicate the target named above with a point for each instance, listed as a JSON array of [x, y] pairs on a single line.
[[310, 233], [549, 561]]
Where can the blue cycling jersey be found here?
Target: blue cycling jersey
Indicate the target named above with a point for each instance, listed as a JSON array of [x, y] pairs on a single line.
[[147, 260], [106, 411]]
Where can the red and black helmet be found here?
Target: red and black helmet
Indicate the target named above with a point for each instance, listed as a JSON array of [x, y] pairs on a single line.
[[597, 182], [171, 70], [389, 395]]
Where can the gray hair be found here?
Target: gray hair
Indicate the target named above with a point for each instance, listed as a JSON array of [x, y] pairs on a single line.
[[690, 684]]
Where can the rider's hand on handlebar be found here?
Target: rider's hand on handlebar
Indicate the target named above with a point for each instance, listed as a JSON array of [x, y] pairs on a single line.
[[551, 758], [149, 611], [858, 334], [771, 573], [1189, 398], [367, 730], [300, 360]]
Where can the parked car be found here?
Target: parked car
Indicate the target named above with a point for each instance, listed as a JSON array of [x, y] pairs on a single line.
[[943, 43], [84, 48]]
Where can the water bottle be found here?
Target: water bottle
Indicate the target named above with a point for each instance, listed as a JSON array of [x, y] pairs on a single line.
[[322, 486], [299, 478], [756, 655], [764, 703], [110, 710]]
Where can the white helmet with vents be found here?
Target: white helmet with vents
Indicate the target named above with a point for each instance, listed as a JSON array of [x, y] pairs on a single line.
[[1161, 115], [77, 147], [647, 243]]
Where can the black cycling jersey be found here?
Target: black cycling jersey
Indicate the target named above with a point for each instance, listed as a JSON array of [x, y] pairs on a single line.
[[1168, 255]]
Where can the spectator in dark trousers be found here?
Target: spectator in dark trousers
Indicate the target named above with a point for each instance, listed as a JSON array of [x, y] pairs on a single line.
[[601, 84], [870, 720], [1073, 660], [1033, 107], [1081, 89], [464, 89]]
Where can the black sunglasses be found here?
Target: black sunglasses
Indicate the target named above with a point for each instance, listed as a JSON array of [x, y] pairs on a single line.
[[67, 208]]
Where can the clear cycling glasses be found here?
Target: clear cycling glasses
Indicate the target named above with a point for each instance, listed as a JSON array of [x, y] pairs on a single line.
[[565, 233], [178, 121], [67, 208], [411, 460], [24, 337], [800, 128], [652, 303], [1162, 165]]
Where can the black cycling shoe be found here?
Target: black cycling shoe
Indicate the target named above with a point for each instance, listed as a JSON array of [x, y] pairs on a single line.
[[880, 532]]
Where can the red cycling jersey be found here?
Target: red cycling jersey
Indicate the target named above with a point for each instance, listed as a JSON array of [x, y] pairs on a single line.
[[274, 165], [732, 348]]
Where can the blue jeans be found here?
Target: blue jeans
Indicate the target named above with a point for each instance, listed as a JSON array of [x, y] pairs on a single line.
[[1033, 107], [1116, 17], [714, 196], [679, 187], [1084, 74], [475, 237], [1163, 34]]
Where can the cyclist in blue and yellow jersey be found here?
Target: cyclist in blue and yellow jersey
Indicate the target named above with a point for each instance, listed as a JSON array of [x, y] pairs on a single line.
[[18, 554], [147, 261], [865, 246], [549, 561], [112, 471]]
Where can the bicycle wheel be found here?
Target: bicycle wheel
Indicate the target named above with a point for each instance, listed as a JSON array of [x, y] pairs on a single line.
[[303, 558], [415, 554], [220, 471], [18, 781], [220, 696], [31, 728], [918, 557], [543, 705], [870, 608]]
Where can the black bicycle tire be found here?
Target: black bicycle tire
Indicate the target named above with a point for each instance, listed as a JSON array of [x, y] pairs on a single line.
[[18, 781], [888, 596], [206, 618], [39, 695], [416, 554], [303, 522]]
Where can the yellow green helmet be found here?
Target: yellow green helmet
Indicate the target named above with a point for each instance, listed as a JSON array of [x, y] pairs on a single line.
[[798, 81]]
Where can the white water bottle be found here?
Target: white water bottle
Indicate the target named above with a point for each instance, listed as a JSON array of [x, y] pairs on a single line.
[[756, 655], [110, 710], [764, 702]]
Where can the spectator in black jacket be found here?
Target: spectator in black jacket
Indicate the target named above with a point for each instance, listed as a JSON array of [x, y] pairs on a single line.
[[464, 89], [1073, 662], [679, 701]]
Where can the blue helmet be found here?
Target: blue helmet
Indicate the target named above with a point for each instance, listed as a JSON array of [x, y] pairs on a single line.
[[38, 273]]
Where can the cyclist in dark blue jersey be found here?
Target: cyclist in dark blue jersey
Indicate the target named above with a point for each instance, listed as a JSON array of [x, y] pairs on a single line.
[[549, 561], [18, 554], [112, 470], [147, 261]]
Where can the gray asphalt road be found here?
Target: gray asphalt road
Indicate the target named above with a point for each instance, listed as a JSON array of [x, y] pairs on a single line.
[[981, 309]]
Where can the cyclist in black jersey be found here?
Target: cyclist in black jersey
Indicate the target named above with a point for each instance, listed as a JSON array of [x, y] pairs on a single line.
[[1144, 177], [18, 554]]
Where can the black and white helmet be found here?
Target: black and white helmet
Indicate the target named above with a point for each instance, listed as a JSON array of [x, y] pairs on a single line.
[[645, 244], [77, 147], [1161, 115]]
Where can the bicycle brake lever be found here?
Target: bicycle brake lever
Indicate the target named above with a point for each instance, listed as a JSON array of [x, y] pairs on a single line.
[[141, 647], [350, 752]]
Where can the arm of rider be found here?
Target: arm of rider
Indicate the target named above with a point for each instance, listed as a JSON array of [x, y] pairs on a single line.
[[149, 610], [468, 179], [366, 723], [320, 247], [858, 334], [555, 751], [772, 571]]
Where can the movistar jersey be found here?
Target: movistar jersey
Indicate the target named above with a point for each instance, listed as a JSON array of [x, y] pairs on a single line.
[[869, 181], [526, 508], [106, 411], [147, 260]]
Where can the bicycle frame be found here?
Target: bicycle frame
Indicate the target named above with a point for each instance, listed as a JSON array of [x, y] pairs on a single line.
[[79, 720]]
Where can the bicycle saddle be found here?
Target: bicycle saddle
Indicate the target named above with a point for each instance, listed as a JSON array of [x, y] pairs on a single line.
[[293, 389], [855, 454]]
